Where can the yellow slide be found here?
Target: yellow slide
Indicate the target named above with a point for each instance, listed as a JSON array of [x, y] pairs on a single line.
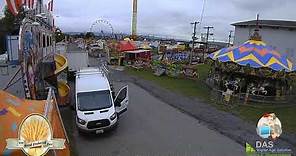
[[63, 88], [61, 63]]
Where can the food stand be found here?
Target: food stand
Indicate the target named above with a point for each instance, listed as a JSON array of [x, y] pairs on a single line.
[[138, 58]]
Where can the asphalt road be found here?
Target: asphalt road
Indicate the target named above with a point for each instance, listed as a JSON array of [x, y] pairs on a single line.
[[151, 127], [17, 85]]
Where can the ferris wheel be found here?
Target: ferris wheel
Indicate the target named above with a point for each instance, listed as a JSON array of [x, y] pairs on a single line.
[[102, 28]]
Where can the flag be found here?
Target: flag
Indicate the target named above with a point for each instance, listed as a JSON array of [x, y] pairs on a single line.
[[50, 5], [14, 6]]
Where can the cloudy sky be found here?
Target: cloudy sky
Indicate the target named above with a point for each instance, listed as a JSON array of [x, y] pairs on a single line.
[[169, 17]]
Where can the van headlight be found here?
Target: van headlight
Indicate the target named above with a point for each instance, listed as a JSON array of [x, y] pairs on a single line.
[[112, 117], [82, 122]]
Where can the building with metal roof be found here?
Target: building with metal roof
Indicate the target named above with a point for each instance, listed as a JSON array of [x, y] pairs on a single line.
[[279, 34], [268, 23]]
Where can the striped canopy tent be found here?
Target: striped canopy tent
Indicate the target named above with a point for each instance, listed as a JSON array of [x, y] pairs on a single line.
[[256, 54], [14, 6]]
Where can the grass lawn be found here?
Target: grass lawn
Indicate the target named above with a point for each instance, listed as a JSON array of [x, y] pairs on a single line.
[[197, 88], [187, 87]]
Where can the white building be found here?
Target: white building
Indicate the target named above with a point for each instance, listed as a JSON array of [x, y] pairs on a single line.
[[12, 44], [281, 35]]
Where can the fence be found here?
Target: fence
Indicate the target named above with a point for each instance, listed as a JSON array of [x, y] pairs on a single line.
[[222, 97]]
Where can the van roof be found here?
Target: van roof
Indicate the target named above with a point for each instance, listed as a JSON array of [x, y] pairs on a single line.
[[91, 79]]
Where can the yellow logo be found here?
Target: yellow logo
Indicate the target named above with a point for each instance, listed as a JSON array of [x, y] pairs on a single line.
[[35, 137]]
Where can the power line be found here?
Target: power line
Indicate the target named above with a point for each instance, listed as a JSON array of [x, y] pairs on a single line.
[[202, 14]]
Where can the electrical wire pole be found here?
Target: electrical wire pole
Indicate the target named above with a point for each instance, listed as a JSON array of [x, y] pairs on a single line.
[[207, 41], [193, 40], [229, 37]]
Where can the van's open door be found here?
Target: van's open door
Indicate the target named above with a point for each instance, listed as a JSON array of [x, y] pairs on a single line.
[[121, 100]]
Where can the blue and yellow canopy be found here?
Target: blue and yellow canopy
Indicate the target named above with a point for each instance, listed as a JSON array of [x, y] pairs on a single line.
[[256, 54]]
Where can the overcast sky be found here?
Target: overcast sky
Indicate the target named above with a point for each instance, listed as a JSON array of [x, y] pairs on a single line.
[[169, 17]]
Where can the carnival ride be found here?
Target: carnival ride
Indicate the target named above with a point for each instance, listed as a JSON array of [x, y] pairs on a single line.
[[40, 68], [102, 28], [254, 69], [37, 50], [61, 64]]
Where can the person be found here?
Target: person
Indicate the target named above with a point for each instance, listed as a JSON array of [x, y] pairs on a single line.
[[28, 41], [227, 95]]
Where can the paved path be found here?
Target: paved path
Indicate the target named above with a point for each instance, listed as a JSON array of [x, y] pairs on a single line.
[[17, 88]]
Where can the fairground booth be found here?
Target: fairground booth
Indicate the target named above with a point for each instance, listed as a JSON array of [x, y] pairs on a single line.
[[138, 57], [117, 49], [132, 55]]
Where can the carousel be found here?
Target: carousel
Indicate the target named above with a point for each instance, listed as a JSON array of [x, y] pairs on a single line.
[[254, 70]]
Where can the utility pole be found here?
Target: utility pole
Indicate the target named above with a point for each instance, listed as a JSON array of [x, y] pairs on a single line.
[[193, 40], [229, 37], [134, 19], [207, 40]]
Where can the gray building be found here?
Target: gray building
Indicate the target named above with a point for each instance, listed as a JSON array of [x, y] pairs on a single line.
[[281, 35]]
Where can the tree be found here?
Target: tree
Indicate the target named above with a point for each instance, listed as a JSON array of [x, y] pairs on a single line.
[[89, 35], [10, 22], [2, 38]]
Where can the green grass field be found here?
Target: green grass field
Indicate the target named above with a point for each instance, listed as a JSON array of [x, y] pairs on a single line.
[[197, 88]]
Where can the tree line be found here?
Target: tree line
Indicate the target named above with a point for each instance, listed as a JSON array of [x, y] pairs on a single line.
[[9, 25]]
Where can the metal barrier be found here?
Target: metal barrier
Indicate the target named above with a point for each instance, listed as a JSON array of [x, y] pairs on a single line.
[[51, 103], [220, 97]]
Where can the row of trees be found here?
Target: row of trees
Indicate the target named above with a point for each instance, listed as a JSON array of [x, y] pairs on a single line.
[[9, 25]]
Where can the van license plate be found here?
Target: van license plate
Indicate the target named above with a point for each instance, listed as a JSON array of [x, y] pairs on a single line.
[[99, 131]]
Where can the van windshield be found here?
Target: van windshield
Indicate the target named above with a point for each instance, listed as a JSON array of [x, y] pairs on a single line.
[[89, 101]]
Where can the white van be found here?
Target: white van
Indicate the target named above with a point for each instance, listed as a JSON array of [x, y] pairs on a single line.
[[96, 108]]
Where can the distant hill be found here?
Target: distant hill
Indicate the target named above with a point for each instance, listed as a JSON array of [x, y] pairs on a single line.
[[140, 37]]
